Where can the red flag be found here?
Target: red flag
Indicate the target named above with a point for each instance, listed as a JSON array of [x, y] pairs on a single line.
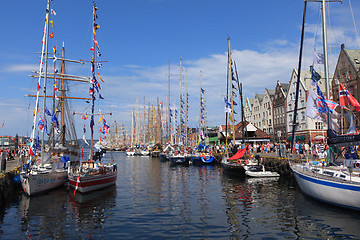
[[100, 77], [77, 184], [346, 98], [82, 153], [51, 35], [31, 152]]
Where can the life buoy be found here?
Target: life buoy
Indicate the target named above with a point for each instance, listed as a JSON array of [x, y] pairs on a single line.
[[357, 165]]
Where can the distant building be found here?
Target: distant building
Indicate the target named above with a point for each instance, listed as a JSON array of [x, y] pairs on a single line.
[[256, 113], [267, 112], [347, 72], [248, 106], [306, 129], [13, 142], [244, 131], [279, 110]]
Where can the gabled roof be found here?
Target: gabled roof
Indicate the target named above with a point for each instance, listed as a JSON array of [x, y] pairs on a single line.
[[354, 57], [259, 96], [271, 92], [285, 87], [249, 126]]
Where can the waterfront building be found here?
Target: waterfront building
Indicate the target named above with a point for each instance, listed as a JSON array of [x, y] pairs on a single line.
[[245, 131], [279, 110], [306, 129], [249, 102], [259, 111], [347, 72], [256, 117], [267, 111]]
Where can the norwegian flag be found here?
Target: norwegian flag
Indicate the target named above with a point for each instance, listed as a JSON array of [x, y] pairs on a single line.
[[346, 98]]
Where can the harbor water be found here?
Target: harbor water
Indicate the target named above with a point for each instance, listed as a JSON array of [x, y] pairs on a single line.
[[156, 200]]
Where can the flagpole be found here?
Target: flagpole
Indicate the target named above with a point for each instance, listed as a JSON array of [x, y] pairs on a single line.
[[326, 69], [93, 93], [298, 79], [45, 80]]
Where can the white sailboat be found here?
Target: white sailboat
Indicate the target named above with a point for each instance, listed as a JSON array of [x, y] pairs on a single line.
[[46, 170], [337, 185]]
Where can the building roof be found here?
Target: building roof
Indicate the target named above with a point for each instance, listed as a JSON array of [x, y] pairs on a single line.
[[259, 134], [354, 57]]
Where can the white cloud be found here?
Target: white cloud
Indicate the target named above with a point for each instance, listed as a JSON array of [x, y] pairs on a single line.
[[20, 68]]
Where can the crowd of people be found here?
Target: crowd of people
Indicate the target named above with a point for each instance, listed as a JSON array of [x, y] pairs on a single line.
[[317, 150]]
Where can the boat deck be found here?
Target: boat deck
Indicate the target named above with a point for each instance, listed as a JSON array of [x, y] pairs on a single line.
[[355, 174]]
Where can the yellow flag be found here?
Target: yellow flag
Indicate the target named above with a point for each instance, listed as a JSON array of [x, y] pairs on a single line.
[[52, 23], [99, 119], [231, 118]]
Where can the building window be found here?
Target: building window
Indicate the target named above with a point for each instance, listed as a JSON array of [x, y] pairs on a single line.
[[318, 125]]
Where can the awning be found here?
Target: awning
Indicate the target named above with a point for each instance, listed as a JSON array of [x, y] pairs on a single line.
[[213, 139]]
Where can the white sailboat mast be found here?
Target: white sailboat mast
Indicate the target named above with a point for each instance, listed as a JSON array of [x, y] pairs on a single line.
[[39, 79], [46, 38], [326, 65]]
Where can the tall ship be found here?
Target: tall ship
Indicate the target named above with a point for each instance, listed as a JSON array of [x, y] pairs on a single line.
[[54, 143], [92, 174]]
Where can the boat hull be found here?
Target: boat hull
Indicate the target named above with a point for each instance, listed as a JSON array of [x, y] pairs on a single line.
[[34, 183], [339, 193], [234, 168], [179, 160], [262, 174], [94, 182], [201, 161]]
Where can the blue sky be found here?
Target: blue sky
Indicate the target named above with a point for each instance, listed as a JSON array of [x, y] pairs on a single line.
[[139, 38]]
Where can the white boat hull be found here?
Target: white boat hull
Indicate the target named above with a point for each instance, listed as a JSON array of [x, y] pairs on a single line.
[[336, 192], [36, 182], [262, 174], [92, 182], [130, 153]]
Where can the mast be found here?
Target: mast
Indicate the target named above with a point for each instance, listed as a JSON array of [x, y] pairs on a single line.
[[326, 66], [168, 127], [62, 100], [181, 104], [241, 102], [45, 76], [95, 27], [231, 94], [298, 78], [200, 117], [186, 112]]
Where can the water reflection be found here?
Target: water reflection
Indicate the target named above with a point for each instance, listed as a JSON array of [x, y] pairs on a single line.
[[91, 210], [155, 200], [326, 221], [43, 215]]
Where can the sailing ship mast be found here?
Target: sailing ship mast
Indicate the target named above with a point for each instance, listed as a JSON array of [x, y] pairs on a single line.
[[231, 114], [168, 125]]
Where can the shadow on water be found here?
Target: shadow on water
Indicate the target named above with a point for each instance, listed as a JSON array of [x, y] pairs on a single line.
[[324, 220], [156, 200]]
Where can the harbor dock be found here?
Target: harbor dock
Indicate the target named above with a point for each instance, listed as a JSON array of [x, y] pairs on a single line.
[[8, 180]]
